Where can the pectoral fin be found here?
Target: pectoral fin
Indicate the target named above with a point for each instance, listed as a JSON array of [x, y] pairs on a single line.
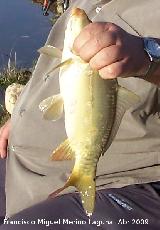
[[55, 53], [63, 152], [52, 107], [51, 51], [125, 99], [66, 62]]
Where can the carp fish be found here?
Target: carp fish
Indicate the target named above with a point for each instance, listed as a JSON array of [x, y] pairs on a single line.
[[93, 109]]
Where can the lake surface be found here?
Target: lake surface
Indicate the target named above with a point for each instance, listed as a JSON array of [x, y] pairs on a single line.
[[23, 30]]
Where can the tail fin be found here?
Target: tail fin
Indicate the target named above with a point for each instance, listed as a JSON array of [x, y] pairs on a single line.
[[86, 187], [85, 184]]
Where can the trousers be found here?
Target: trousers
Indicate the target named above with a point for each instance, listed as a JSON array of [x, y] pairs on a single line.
[[131, 207]]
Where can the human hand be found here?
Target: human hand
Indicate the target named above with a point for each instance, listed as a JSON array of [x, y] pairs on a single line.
[[4, 135], [111, 50]]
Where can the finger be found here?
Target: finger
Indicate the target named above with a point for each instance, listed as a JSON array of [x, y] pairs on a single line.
[[1, 130], [4, 134], [3, 147], [95, 44], [117, 69], [106, 56], [88, 33], [6, 129]]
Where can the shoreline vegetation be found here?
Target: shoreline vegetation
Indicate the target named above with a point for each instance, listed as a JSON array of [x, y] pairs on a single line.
[[9, 75], [14, 74], [56, 8]]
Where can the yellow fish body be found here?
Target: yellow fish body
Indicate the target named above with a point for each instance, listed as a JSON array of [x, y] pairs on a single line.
[[93, 109]]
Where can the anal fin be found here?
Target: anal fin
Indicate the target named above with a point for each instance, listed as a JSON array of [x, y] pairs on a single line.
[[63, 152]]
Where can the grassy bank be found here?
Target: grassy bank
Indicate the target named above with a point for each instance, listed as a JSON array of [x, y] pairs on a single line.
[[13, 74], [9, 75]]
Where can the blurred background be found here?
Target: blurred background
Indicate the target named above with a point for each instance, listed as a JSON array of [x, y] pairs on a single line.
[[24, 29]]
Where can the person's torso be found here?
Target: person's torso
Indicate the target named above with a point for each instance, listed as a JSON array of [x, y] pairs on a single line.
[[134, 156]]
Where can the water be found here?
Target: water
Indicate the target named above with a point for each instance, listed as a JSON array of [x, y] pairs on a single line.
[[23, 30]]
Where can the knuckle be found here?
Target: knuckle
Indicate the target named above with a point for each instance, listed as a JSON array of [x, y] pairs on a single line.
[[111, 36], [105, 74], [102, 73], [112, 26], [95, 28], [106, 57], [114, 71], [99, 60], [94, 64], [118, 51], [90, 29], [97, 41], [118, 70], [81, 40], [127, 60], [107, 38], [84, 55], [97, 25]]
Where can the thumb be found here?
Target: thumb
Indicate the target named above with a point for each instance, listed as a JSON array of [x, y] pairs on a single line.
[[3, 147]]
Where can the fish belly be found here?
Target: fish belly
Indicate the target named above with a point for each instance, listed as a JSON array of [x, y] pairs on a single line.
[[90, 106]]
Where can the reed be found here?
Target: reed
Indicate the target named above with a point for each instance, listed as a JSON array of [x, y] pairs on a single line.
[[8, 75]]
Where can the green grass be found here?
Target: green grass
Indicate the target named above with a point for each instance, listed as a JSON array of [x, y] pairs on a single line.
[[10, 75], [13, 74]]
